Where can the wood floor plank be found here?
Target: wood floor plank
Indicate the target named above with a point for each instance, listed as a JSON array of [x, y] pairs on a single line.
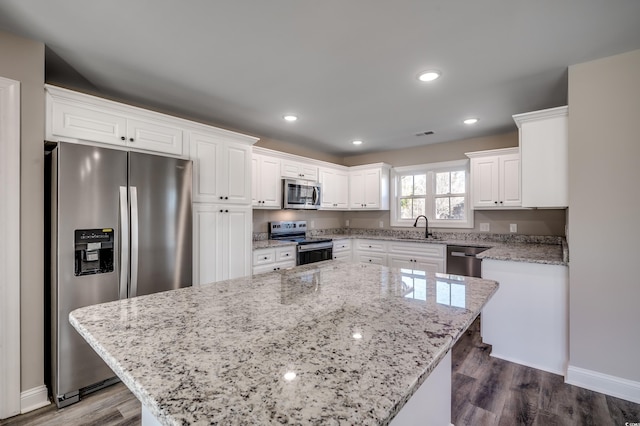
[[492, 385], [622, 411]]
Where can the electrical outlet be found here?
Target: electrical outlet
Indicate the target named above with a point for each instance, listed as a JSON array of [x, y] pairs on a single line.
[[513, 227], [484, 227], [381, 224], [346, 223], [313, 224]]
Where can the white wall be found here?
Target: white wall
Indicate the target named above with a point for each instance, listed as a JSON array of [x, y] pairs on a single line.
[[604, 215]]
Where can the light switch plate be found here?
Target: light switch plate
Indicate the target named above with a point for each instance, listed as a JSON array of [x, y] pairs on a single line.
[[513, 227], [346, 223], [484, 227], [313, 224], [381, 224]]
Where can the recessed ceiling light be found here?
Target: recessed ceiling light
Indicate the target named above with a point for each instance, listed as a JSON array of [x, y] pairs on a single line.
[[290, 117], [357, 142], [470, 121], [429, 75]]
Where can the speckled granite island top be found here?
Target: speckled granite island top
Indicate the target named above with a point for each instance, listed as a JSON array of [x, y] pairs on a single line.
[[326, 343]]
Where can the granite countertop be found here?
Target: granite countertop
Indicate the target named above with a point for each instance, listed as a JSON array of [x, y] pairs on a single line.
[[357, 341], [549, 254]]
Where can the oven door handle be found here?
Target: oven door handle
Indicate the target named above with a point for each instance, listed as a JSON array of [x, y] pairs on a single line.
[[311, 247]]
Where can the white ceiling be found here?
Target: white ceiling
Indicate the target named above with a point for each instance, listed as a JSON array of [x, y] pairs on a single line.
[[347, 67]]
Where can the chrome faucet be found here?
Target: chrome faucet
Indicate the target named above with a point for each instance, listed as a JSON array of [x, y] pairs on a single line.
[[427, 234]]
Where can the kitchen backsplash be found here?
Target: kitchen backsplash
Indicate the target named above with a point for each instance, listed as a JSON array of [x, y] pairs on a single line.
[[419, 234]]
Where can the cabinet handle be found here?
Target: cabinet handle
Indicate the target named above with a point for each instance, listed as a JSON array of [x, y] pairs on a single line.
[[265, 258], [495, 202], [221, 197], [226, 198], [369, 260], [500, 202], [226, 211], [123, 138], [221, 211], [130, 139], [287, 254]]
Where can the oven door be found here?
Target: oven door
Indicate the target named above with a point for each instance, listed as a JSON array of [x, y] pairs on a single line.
[[310, 253]]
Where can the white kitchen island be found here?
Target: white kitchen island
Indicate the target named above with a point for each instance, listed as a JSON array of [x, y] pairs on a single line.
[[326, 343]]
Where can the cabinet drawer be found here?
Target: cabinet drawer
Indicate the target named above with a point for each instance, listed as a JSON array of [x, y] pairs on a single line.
[[285, 254], [371, 245], [263, 257], [343, 256], [341, 245], [374, 258], [418, 249]]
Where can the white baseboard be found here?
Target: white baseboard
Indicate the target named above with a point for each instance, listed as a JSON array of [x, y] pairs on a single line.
[[609, 385], [34, 398], [546, 368]]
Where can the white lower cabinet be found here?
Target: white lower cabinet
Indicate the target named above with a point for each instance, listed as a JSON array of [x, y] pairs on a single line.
[[342, 250], [221, 242], [273, 259], [527, 320], [370, 251], [422, 256]]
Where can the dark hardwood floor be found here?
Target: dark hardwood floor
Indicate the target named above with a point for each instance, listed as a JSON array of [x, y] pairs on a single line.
[[486, 391], [491, 391]]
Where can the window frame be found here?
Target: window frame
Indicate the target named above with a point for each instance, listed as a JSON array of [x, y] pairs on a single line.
[[430, 170]]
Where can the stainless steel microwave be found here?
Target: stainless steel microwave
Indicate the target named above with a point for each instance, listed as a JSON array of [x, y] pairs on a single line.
[[301, 194]]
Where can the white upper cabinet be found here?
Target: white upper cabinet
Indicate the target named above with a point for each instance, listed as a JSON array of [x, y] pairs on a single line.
[[544, 157], [222, 169], [295, 170], [266, 184], [335, 189], [369, 187], [74, 117], [495, 178]]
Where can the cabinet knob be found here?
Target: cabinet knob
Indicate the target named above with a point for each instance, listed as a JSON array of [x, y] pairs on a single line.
[[495, 202], [130, 139], [287, 254], [226, 198], [221, 211], [221, 197], [123, 138], [500, 202], [265, 258], [226, 211], [369, 260]]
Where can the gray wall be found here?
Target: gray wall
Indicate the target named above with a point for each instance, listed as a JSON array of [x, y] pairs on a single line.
[[604, 208], [23, 60]]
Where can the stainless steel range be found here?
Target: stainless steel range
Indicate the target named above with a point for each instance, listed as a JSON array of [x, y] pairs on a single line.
[[309, 250]]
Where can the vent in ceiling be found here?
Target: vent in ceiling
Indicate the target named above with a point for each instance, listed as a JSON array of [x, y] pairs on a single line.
[[427, 133]]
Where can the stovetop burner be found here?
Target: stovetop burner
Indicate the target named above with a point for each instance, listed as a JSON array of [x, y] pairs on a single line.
[[294, 231]]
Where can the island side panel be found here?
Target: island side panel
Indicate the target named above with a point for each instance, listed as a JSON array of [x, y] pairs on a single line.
[[431, 404]]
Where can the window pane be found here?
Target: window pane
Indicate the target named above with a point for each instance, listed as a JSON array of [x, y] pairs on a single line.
[[418, 207], [419, 184], [406, 208], [457, 208], [443, 210], [406, 186], [443, 183], [458, 182]]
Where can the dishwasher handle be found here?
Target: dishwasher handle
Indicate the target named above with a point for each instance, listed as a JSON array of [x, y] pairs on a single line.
[[461, 254]]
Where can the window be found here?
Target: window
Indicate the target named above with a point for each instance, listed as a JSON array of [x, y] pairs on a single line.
[[440, 191]]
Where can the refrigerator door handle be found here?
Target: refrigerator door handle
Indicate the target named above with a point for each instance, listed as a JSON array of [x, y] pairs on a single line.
[[134, 241], [124, 243]]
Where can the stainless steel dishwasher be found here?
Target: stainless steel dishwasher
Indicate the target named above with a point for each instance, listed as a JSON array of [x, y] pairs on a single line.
[[462, 260]]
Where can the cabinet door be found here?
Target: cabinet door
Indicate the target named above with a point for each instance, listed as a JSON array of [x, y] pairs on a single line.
[[329, 189], [206, 153], [510, 181], [485, 173], [290, 169], [309, 172], [405, 262], [206, 255], [90, 124], [429, 265], [236, 174], [154, 136], [374, 258], [372, 189], [341, 185], [235, 244], [255, 180], [356, 190], [270, 183]]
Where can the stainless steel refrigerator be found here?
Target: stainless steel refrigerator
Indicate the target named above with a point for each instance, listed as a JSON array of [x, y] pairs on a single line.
[[120, 227]]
